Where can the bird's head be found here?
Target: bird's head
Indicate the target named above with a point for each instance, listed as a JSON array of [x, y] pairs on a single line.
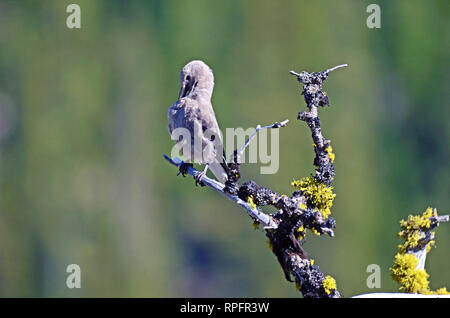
[[196, 75]]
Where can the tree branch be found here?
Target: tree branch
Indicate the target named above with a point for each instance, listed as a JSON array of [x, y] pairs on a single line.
[[307, 208], [409, 264]]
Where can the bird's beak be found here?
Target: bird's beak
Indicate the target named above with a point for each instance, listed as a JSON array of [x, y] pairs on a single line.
[[186, 88], [182, 91]]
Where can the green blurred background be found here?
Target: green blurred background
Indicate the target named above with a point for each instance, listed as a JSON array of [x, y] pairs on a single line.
[[83, 126]]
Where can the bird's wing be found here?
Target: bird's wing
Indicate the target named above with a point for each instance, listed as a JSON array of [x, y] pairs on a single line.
[[208, 117], [201, 122], [170, 117], [183, 114], [209, 122]]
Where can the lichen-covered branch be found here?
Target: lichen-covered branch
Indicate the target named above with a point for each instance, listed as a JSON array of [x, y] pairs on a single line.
[[315, 97], [409, 264], [308, 208]]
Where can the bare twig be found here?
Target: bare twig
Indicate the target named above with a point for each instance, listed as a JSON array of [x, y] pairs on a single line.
[[336, 67], [255, 132]]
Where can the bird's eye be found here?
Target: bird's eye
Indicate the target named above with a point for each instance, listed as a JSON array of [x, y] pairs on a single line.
[[188, 78]]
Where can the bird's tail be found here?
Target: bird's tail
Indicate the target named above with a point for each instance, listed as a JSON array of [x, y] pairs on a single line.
[[219, 172]]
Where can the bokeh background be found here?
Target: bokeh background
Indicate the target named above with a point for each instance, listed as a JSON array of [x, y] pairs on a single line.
[[83, 126]]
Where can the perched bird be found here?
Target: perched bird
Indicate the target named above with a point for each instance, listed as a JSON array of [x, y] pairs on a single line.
[[193, 111]]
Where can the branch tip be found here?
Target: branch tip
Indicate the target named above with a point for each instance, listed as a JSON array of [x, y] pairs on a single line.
[[336, 67]]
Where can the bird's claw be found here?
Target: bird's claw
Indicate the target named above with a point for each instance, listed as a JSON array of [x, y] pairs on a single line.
[[184, 169], [198, 176]]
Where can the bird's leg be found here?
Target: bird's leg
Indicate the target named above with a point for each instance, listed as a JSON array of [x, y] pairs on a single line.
[[183, 168], [198, 176]]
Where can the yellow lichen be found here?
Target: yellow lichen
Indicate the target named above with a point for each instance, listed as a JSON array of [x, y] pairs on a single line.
[[331, 154], [329, 284], [440, 291], [314, 231], [404, 272], [311, 261], [319, 194], [301, 232], [269, 245], [412, 230], [252, 203], [430, 245]]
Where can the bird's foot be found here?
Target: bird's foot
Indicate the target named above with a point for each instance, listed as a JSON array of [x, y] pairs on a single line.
[[184, 169], [198, 176]]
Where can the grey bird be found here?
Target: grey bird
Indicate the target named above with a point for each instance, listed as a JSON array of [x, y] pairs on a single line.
[[193, 111]]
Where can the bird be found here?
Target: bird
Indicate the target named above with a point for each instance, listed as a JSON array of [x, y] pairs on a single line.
[[193, 111]]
